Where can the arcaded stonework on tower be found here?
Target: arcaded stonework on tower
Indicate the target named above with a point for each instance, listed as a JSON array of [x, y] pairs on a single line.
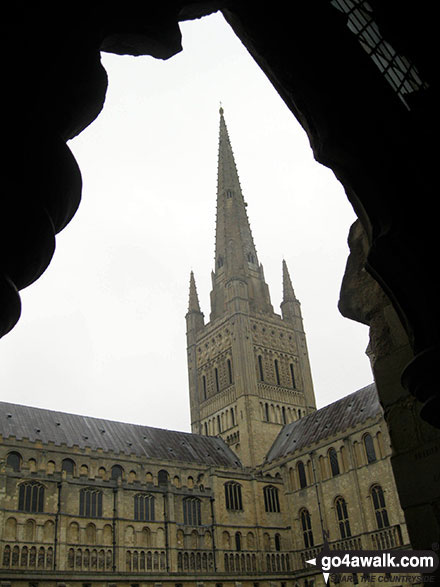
[[246, 498]]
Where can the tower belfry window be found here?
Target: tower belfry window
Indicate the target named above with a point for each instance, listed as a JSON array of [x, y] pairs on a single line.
[[277, 372], [260, 367], [217, 384], [230, 370], [292, 375]]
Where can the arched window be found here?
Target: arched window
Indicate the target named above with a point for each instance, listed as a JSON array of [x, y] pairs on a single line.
[[31, 497], [90, 503], [380, 509], [219, 262], [144, 507], [334, 464], [271, 500], [302, 475], [117, 472], [205, 395], [69, 466], [13, 460], [369, 448], [217, 383], [292, 375], [237, 541], [233, 496], [277, 372], [260, 368], [306, 525], [283, 415], [162, 477], [192, 511], [277, 542], [229, 371], [342, 515]]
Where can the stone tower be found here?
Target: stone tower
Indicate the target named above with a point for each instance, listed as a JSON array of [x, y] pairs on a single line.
[[248, 367]]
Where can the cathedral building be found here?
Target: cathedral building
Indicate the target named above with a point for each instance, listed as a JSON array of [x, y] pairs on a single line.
[[246, 498]]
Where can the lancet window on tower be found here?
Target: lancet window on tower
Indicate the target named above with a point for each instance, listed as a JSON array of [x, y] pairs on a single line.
[[292, 375], [217, 383], [260, 367], [229, 370], [277, 372]]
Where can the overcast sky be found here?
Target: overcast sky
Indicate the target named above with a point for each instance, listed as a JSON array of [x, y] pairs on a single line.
[[102, 332]]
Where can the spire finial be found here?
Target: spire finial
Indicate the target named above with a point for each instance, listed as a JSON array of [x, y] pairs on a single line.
[[221, 109]]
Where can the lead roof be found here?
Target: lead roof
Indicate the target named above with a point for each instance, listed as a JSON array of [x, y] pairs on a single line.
[[37, 424], [348, 412]]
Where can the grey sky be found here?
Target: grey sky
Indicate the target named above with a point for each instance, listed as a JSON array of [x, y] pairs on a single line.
[[102, 331]]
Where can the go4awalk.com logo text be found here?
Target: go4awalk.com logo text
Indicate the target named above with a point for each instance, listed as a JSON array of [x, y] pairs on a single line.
[[407, 562]]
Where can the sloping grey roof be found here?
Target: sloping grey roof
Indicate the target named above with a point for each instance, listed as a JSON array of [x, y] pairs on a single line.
[[328, 421], [119, 437]]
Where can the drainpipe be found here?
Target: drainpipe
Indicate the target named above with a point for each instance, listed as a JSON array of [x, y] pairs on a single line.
[[115, 513], [57, 515], [325, 534], [165, 518], [211, 499]]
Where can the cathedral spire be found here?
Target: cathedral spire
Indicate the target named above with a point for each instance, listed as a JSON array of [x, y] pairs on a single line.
[[236, 257], [234, 247]]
